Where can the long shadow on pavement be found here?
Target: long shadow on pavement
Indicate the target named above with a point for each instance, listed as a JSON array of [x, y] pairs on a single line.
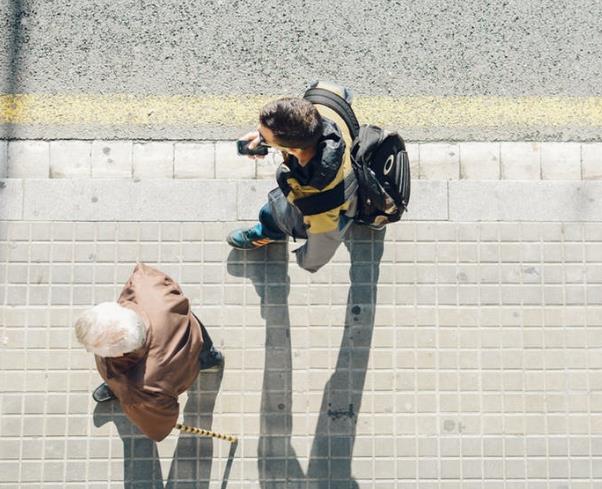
[[332, 449], [192, 459]]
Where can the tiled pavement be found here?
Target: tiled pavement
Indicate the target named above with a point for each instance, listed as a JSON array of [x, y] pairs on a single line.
[[476, 362]]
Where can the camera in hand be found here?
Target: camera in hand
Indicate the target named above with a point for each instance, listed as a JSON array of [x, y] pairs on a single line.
[[243, 148]]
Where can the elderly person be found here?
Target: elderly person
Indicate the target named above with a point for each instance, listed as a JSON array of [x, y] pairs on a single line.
[[149, 348]]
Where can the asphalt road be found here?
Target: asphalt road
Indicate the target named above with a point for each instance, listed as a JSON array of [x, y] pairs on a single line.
[[379, 48]]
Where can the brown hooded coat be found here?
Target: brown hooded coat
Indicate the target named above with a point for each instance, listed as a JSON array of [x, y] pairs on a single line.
[[147, 381]]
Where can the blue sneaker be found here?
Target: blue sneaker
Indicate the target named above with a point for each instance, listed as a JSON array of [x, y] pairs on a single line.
[[250, 239]]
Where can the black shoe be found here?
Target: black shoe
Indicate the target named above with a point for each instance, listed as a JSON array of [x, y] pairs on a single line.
[[103, 393], [210, 358]]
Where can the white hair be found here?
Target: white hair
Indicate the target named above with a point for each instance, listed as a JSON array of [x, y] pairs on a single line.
[[110, 330]]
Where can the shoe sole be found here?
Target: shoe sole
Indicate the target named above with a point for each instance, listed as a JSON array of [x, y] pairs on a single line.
[[255, 247], [237, 247], [105, 399], [213, 368]]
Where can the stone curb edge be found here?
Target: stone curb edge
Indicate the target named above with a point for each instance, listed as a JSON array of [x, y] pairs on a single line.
[[130, 159], [216, 200]]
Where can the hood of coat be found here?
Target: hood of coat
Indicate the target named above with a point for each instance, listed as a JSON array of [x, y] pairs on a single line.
[[323, 167]]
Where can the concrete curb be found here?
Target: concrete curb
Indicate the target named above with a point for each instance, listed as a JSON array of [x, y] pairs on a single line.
[[217, 200], [218, 159]]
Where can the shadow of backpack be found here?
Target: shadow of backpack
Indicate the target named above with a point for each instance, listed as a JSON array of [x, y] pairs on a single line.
[[378, 157]]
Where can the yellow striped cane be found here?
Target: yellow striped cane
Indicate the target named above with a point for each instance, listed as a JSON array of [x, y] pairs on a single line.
[[201, 432]]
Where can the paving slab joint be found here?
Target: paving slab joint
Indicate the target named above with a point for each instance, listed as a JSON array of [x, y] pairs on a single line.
[[169, 159]]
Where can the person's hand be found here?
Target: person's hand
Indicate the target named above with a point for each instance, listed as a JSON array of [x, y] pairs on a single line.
[[253, 136]]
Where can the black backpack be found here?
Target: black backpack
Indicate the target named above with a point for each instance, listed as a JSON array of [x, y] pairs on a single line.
[[379, 159]]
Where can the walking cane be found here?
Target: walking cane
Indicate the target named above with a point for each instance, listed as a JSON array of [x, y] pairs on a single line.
[[201, 432]]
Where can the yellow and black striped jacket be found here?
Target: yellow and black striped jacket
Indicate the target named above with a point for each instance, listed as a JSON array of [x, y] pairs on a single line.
[[330, 167]]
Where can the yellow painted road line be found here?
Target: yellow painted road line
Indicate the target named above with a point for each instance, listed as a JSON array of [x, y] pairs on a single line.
[[242, 110]]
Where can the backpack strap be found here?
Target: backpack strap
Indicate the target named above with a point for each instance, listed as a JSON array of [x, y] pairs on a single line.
[[322, 201], [321, 96], [328, 199], [336, 108]]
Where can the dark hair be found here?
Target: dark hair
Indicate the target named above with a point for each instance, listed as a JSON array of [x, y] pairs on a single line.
[[295, 122]]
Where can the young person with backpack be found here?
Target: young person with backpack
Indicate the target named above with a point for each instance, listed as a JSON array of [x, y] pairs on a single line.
[[321, 187]]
